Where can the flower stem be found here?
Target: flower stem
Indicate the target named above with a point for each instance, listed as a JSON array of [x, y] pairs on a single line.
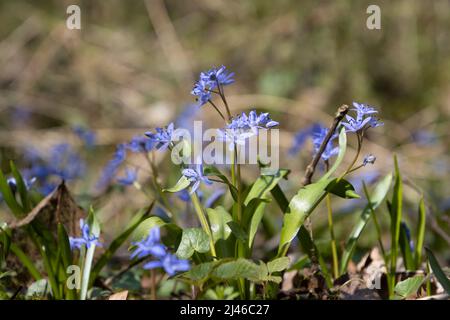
[[333, 239], [86, 271], [204, 222]]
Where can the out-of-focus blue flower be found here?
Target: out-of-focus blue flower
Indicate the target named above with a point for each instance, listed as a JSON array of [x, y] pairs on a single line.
[[87, 136], [162, 137], [87, 239], [129, 178], [109, 172], [214, 197], [369, 159], [140, 144], [196, 177], [170, 263], [62, 162], [364, 118], [318, 134], [300, 140], [367, 177], [151, 245], [424, 137], [208, 81]]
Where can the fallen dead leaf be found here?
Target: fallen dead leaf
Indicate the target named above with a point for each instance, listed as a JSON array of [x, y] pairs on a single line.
[[122, 295]]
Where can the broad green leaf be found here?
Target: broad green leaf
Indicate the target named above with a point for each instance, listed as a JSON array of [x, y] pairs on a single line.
[[240, 268], [213, 171], [142, 231], [342, 188], [192, 240], [376, 199], [181, 184], [200, 272], [300, 207], [408, 287], [238, 232], [218, 219], [438, 272], [340, 157], [278, 264], [420, 234], [264, 184]]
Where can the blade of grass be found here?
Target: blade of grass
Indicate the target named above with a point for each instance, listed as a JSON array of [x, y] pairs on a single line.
[[420, 233], [438, 272], [26, 261]]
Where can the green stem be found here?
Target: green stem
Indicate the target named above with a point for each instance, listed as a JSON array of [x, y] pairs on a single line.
[[86, 271], [204, 222], [333, 240]]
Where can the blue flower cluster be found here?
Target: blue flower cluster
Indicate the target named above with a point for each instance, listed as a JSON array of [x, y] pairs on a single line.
[[245, 126], [62, 163], [364, 118], [87, 136], [162, 137], [87, 239], [152, 246], [209, 81]]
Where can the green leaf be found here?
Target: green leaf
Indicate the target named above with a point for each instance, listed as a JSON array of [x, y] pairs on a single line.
[[192, 240], [264, 184], [438, 272], [396, 219], [218, 219], [240, 268], [21, 187], [143, 229], [238, 232], [409, 286], [200, 272], [9, 198], [340, 157], [300, 207], [342, 188], [213, 171], [406, 248], [181, 184], [26, 261], [420, 234], [278, 264], [376, 199]]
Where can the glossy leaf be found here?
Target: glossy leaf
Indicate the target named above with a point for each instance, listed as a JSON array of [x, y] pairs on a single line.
[[192, 240], [408, 287], [218, 219]]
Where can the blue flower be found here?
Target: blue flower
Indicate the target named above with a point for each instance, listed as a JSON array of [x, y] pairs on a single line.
[[170, 263], [214, 197], [162, 137], [319, 133], [109, 172], [208, 81], [245, 126], [363, 120], [196, 177], [300, 139], [87, 136], [151, 245], [140, 144], [369, 159], [130, 177], [87, 239]]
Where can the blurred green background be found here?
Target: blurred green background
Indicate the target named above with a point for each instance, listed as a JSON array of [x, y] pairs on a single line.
[[132, 65]]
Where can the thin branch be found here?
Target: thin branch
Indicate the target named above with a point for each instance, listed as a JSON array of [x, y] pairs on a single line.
[[341, 112]]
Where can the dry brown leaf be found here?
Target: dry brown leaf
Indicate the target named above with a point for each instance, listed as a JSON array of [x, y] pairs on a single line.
[[122, 295]]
